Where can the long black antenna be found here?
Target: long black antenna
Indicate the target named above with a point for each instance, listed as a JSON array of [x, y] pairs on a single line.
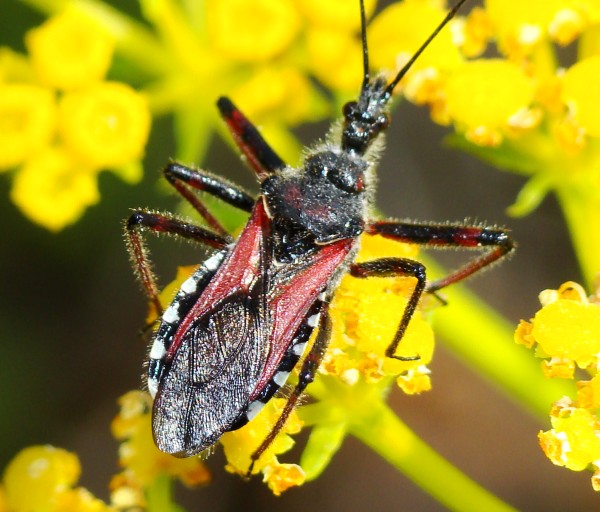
[[363, 31], [392, 85]]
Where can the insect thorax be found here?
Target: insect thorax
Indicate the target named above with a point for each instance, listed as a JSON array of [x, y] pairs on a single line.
[[323, 202]]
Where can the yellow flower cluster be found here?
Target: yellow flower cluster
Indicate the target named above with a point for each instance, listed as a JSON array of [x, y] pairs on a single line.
[[43, 478], [366, 313], [566, 333], [61, 122], [491, 100], [141, 461]]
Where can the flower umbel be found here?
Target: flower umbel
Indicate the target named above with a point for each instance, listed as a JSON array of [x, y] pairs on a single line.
[[43, 478], [62, 122], [566, 333], [143, 464]]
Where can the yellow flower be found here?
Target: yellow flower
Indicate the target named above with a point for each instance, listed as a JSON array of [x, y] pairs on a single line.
[[521, 25], [252, 32], [581, 89], [240, 444], [567, 328], [41, 478], [400, 29], [141, 460], [334, 52], [54, 190], [366, 314], [284, 93], [57, 151], [281, 477], [574, 441], [567, 331], [70, 50], [588, 393], [484, 97], [106, 125], [27, 122], [335, 58]]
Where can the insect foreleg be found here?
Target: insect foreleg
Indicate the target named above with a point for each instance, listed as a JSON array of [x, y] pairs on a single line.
[[161, 223], [183, 178], [261, 157], [392, 267]]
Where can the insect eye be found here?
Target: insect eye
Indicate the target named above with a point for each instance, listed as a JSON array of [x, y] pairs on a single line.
[[349, 109]]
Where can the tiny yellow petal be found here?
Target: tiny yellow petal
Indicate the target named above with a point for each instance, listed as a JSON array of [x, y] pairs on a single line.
[[558, 368], [415, 381], [53, 190], [478, 30], [523, 334], [570, 135], [572, 291], [252, 31], [484, 136], [36, 474], [27, 122], [581, 87], [240, 444], [127, 498], [588, 393], [566, 26], [70, 50], [106, 125], [596, 481], [280, 477]]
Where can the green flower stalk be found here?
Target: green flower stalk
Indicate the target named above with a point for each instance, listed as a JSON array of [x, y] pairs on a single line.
[[62, 122]]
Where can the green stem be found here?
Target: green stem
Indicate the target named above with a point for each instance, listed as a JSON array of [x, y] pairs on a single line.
[[159, 495], [581, 208], [483, 339], [383, 432], [361, 410]]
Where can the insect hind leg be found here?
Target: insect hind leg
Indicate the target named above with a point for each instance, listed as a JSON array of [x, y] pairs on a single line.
[[307, 374], [391, 267]]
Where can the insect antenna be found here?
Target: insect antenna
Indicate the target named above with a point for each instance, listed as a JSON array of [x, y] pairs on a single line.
[[363, 32], [392, 85]]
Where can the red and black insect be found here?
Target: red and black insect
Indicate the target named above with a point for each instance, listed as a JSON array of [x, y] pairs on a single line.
[[239, 325]]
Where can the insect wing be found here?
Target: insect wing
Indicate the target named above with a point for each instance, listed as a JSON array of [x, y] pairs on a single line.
[[219, 362], [218, 352], [231, 343]]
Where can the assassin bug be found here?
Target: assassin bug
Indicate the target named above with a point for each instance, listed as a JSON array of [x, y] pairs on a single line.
[[239, 325]]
